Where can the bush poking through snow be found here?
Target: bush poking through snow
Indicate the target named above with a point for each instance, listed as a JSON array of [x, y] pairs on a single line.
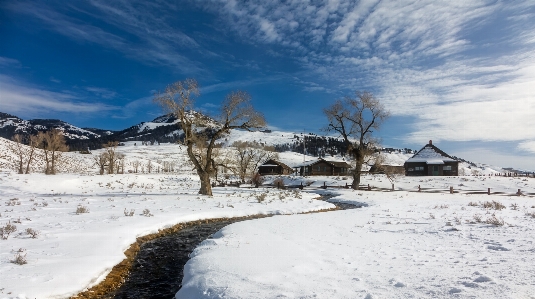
[[431, 216], [531, 214], [260, 197], [146, 213], [279, 183], [7, 229], [473, 204], [129, 213], [33, 233], [477, 218], [20, 259], [81, 209], [495, 221], [493, 205], [514, 206]]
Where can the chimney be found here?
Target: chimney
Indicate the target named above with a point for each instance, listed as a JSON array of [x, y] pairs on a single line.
[[430, 142]]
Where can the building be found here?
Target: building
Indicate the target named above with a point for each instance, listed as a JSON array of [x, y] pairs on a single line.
[[324, 167], [431, 161], [274, 167]]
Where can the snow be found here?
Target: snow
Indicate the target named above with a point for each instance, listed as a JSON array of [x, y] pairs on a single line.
[[400, 245], [428, 154], [145, 126]]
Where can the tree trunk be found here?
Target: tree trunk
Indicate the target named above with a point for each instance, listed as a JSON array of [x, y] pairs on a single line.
[[359, 158], [206, 187], [20, 166]]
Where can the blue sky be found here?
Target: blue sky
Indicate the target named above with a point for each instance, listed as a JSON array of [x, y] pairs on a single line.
[[461, 73]]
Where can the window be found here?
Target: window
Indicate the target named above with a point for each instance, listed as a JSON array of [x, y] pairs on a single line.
[[419, 168], [447, 167]]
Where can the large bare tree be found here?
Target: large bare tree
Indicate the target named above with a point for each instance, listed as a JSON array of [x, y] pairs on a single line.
[[356, 119], [53, 144], [200, 132]]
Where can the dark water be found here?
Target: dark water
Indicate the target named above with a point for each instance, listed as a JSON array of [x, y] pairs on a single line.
[[157, 271]]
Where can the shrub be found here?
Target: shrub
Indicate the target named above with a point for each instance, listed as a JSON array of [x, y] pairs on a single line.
[[495, 221], [6, 230], [477, 218], [257, 179], [260, 197], [146, 213], [129, 213], [81, 209], [531, 214], [473, 204], [33, 233], [514, 206], [278, 182], [493, 205], [20, 259]]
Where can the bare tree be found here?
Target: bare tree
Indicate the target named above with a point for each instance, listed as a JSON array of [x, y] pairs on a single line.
[[356, 119], [53, 145], [19, 150], [120, 163], [101, 161], [110, 149], [33, 143], [248, 156], [200, 134], [149, 166]]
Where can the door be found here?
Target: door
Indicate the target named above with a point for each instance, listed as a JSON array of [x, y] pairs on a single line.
[[435, 169]]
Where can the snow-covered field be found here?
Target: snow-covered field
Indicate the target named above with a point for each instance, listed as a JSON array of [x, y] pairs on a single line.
[[401, 244]]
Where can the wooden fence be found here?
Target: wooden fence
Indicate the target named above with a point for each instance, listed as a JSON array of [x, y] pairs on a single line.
[[368, 187]]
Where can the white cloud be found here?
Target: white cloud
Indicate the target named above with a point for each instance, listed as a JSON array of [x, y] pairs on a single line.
[[6, 61], [528, 146], [18, 98], [102, 92]]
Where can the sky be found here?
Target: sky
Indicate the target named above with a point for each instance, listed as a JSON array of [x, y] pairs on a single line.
[[460, 73]]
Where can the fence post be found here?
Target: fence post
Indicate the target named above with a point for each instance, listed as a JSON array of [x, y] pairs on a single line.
[[488, 191], [392, 187], [518, 193], [369, 188], [419, 189], [301, 187], [278, 185], [324, 185], [451, 189]]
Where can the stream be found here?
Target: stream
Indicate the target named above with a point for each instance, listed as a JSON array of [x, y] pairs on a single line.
[[157, 271]]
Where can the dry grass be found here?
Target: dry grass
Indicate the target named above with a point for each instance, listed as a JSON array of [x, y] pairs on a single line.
[[81, 209], [7, 229], [495, 221]]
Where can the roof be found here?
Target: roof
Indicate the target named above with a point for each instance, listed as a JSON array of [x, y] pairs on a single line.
[[333, 163], [431, 154], [272, 163]]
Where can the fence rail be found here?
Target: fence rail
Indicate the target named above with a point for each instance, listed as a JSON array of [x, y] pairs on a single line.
[[368, 187]]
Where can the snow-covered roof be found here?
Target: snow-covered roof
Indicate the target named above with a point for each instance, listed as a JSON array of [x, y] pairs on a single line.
[[431, 154]]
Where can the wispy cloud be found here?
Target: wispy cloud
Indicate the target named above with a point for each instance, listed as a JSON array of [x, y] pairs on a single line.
[[102, 92], [425, 59], [10, 62], [156, 42], [21, 99]]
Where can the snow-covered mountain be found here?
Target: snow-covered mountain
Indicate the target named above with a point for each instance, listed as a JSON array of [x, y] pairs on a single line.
[[11, 125]]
